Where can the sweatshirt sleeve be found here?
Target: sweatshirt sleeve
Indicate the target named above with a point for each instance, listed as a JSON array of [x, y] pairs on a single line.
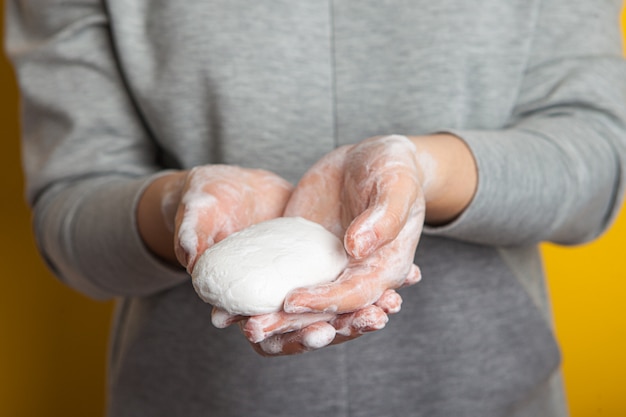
[[86, 154], [556, 172]]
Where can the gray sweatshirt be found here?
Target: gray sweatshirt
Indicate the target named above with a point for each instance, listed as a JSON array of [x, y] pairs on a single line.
[[115, 92]]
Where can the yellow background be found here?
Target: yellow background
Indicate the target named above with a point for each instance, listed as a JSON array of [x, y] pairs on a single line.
[[53, 340]]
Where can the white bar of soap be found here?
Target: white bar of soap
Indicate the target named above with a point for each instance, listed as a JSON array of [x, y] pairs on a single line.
[[252, 271]]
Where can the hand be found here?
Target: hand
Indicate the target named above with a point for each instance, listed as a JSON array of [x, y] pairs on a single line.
[[206, 204], [370, 194], [183, 213]]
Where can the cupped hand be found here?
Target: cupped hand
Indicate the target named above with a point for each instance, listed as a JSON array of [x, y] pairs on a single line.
[[370, 194], [180, 214]]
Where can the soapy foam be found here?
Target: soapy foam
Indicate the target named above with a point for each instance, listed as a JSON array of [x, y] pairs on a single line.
[[318, 336]]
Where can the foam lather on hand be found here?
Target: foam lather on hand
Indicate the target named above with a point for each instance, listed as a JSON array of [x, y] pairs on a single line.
[[252, 271]]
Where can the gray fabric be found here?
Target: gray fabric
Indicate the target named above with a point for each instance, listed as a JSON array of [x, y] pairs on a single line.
[[468, 342], [115, 92]]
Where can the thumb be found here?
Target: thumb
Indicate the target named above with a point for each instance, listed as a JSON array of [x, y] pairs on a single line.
[[375, 227]]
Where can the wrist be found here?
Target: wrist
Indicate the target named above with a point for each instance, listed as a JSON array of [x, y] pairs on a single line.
[[449, 175], [156, 210]]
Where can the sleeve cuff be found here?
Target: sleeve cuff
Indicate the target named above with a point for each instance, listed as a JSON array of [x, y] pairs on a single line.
[[498, 215], [90, 238]]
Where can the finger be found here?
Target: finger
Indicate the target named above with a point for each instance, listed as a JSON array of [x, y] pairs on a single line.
[[366, 320], [383, 220], [312, 337], [195, 219], [348, 293], [203, 219], [390, 302], [222, 319], [193, 240], [258, 328], [317, 335]]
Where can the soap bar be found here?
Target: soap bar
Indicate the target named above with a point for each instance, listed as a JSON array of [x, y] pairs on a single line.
[[251, 271]]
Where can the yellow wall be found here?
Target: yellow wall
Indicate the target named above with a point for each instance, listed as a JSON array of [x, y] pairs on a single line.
[[588, 286], [53, 340]]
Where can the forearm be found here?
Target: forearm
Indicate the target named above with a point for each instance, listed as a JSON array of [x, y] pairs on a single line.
[[450, 176]]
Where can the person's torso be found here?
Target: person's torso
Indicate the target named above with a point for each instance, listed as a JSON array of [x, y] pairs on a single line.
[[276, 85]]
